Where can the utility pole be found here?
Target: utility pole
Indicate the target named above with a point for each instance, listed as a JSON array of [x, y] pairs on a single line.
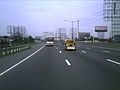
[[78, 28], [60, 33], [72, 28]]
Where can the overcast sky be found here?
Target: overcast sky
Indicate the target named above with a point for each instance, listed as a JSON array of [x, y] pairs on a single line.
[[47, 15]]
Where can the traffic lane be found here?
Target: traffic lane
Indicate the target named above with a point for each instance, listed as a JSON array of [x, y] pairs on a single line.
[[48, 71], [114, 55], [9, 60], [93, 71], [104, 49], [98, 57], [45, 70], [102, 46], [96, 54]]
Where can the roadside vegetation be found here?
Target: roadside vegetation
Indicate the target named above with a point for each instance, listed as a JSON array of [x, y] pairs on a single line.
[[10, 45]]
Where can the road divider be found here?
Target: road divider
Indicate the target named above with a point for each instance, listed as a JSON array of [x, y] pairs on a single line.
[[11, 50], [113, 61]]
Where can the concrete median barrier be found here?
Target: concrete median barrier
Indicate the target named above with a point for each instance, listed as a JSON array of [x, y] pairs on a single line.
[[11, 50]]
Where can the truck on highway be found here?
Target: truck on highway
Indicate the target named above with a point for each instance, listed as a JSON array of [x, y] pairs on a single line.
[[69, 44], [49, 41]]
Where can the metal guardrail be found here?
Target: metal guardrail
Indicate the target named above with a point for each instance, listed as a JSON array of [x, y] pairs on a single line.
[[10, 50]]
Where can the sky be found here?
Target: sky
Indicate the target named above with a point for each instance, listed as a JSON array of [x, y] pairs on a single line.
[[47, 15]]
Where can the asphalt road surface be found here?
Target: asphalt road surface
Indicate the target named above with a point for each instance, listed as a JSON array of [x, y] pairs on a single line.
[[53, 68]]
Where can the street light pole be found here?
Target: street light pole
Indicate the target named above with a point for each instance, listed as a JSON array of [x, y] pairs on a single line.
[[78, 28], [72, 30], [60, 34]]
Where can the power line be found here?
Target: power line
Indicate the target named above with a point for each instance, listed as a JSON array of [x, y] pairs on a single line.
[[92, 21], [97, 14]]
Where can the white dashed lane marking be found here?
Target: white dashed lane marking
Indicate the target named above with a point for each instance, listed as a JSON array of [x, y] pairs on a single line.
[[60, 51], [83, 51], [87, 48], [106, 51], [68, 63]]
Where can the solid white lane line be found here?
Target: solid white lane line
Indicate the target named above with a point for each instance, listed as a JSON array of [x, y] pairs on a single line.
[[113, 61], [83, 51], [21, 61], [60, 51], [68, 63], [106, 51]]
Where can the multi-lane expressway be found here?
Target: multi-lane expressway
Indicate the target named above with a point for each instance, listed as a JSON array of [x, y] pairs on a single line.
[[53, 68]]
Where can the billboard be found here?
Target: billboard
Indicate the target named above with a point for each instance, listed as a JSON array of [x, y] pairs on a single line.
[[101, 28]]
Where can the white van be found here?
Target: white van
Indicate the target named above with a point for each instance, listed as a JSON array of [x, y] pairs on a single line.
[[50, 41]]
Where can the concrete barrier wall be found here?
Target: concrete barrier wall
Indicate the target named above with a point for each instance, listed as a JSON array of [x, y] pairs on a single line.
[[11, 50]]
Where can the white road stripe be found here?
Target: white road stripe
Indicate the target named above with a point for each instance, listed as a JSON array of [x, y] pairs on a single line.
[[57, 48], [113, 61], [21, 61], [87, 48], [83, 51], [106, 51], [68, 63], [60, 51]]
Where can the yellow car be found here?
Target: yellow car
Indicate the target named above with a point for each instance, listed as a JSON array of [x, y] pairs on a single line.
[[69, 44]]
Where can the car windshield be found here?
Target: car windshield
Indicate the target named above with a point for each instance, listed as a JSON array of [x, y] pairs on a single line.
[[70, 41], [49, 39]]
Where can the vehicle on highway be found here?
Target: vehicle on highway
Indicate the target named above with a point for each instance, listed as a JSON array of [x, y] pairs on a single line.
[[50, 41], [69, 44]]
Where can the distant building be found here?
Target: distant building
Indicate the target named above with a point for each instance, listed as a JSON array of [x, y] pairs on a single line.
[[111, 14], [83, 35], [17, 31], [60, 34], [116, 39], [48, 34]]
